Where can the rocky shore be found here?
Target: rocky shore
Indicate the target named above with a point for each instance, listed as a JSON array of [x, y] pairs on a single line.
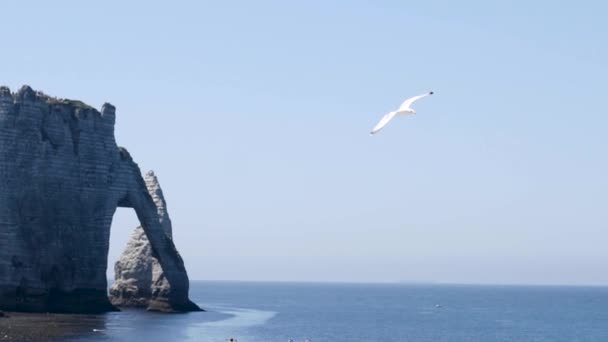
[[43, 327]]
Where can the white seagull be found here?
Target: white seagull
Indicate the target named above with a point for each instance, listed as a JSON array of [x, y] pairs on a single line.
[[404, 109]]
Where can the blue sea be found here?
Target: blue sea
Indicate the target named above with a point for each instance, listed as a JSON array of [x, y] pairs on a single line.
[[252, 312]]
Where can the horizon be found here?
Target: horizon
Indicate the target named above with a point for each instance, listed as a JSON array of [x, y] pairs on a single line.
[[398, 283], [405, 283], [258, 130]]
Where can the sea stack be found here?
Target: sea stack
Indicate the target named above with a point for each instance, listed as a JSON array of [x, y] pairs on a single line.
[[63, 176], [139, 278]]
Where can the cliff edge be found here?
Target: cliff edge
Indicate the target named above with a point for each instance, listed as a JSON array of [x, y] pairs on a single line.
[[62, 177]]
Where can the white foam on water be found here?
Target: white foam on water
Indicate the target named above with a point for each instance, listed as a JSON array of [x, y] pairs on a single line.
[[235, 325], [242, 318]]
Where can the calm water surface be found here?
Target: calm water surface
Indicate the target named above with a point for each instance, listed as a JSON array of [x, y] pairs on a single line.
[[356, 312]]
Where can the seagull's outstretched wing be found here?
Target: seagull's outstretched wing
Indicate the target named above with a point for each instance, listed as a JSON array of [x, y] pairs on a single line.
[[385, 119], [407, 103]]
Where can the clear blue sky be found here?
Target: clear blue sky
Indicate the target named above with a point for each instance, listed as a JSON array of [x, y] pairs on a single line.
[[255, 116]]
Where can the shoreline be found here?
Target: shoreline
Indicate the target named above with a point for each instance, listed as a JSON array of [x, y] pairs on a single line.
[[42, 327]]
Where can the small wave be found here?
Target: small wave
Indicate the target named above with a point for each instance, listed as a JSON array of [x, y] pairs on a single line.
[[242, 318]]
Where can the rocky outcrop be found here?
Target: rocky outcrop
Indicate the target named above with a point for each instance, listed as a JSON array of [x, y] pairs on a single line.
[[133, 273], [62, 177], [139, 278]]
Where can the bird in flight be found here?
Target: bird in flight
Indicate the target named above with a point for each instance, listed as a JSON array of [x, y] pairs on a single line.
[[404, 109]]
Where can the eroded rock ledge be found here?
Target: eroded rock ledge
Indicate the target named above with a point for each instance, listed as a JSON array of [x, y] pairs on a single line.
[[62, 177]]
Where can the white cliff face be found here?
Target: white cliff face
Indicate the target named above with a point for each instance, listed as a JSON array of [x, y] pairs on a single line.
[[159, 199], [139, 278], [133, 273], [62, 177]]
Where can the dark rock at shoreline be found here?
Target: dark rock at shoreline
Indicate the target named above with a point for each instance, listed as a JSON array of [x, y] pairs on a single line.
[[36, 327]]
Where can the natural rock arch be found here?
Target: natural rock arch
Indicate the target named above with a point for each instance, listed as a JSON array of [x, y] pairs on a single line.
[[139, 278], [62, 177]]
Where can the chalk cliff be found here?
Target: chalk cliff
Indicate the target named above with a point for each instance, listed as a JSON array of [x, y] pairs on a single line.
[[62, 177], [139, 279]]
